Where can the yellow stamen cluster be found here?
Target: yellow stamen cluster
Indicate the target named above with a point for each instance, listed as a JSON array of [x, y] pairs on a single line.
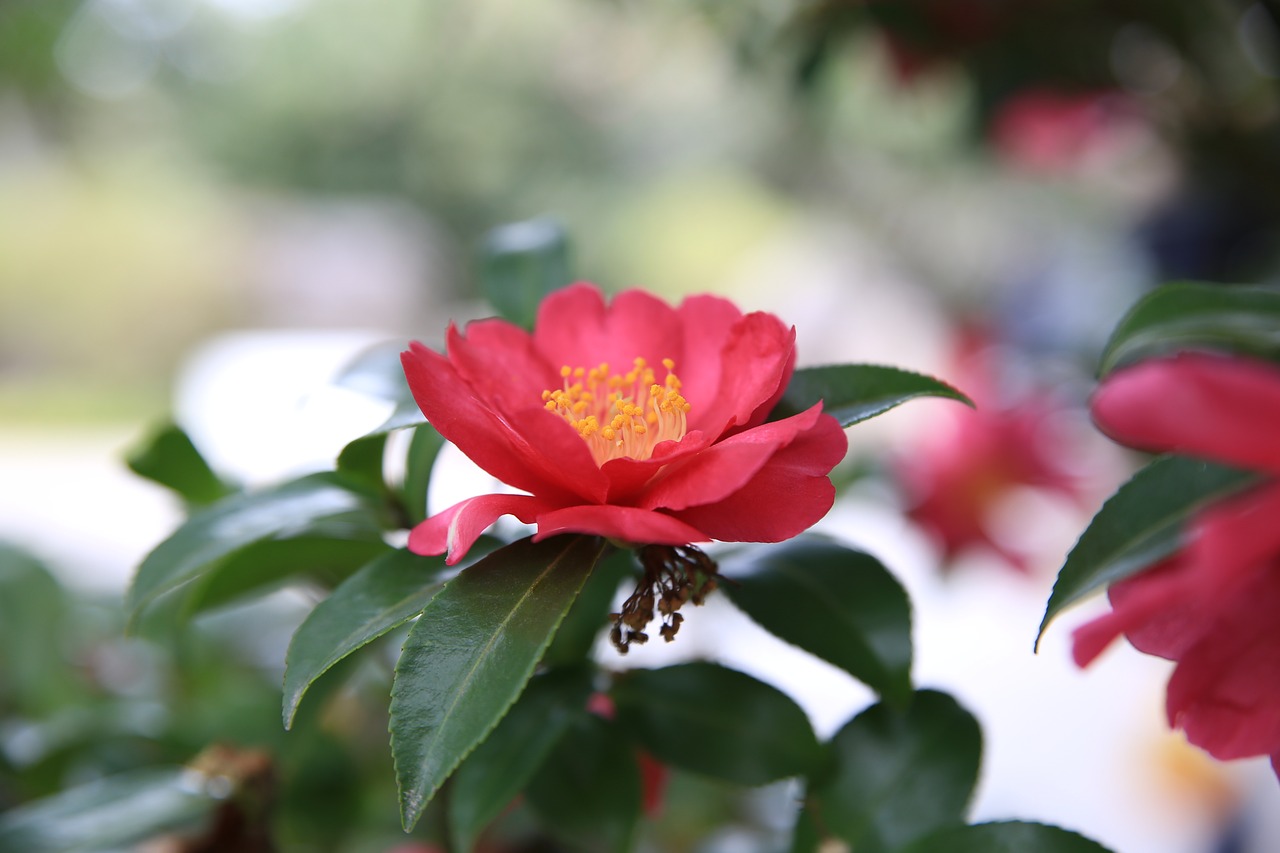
[[621, 414]]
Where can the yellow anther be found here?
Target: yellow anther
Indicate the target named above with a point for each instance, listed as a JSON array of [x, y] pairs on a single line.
[[608, 434], [565, 371], [668, 364]]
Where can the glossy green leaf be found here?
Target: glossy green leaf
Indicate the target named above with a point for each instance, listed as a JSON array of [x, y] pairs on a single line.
[[471, 652], [1140, 525], [109, 813], [317, 505], [852, 393], [168, 457], [378, 373], [361, 460], [588, 789], [384, 594], [716, 721], [1004, 837], [834, 602], [899, 774], [1189, 315], [520, 264], [589, 615], [519, 744], [420, 458]]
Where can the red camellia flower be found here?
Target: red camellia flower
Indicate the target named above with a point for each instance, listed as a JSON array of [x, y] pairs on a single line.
[[1213, 606], [635, 420]]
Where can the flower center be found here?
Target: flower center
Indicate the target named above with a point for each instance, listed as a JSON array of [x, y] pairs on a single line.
[[621, 414]]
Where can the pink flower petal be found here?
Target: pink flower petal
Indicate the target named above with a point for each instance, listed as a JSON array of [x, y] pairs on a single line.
[[620, 523], [1225, 691], [725, 467], [457, 528], [454, 410], [500, 363], [706, 322], [785, 497], [576, 328], [1212, 406], [628, 477], [757, 361]]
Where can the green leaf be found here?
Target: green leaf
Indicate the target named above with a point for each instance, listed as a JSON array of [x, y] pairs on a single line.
[[1140, 525], [519, 744], [420, 458], [1190, 315], [852, 393], [583, 623], [109, 813], [520, 264], [168, 457], [471, 652], [1004, 837], [361, 461], [899, 774], [588, 789], [834, 602], [35, 614], [378, 373], [386, 593], [716, 721], [316, 505]]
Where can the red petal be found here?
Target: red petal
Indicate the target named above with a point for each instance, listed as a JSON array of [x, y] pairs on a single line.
[[1217, 407], [725, 467], [621, 523], [576, 328], [499, 361], [706, 322], [627, 477], [1225, 692], [756, 363], [785, 497], [484, 436], [457, 528]]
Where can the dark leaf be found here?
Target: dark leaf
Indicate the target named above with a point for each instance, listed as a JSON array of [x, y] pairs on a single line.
[[899, 774], [168, 457], [1140, 525], [318, 505], [518, 746], [852, 393], [420, 458], [590, 613], [361, 461], [1004, 837], [718, 722], [471, 652], [839, 604], [1190, 315], [384, 594]]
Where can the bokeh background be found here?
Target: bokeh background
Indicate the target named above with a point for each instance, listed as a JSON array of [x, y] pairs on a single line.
[[207, 207]]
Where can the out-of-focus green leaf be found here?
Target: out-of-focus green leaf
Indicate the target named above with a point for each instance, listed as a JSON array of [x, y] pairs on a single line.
[[109, 813], [520, 264], [471, 653], [420, 459], [805, 836], [716, 721], [33, 612], [1140, 525], [168, 457], [577, 635], [852, 393], [268, 564], [1190, 315], [839, 604], [361, 460], [899, 774], [1004, 837], [319, 505], [588, 789], [384, 594], [500, 767], [377, 373]]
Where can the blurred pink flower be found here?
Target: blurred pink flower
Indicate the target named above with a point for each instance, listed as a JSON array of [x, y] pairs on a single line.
[[1213, 606], [1049, 131], [633, 420], [955, 477]]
